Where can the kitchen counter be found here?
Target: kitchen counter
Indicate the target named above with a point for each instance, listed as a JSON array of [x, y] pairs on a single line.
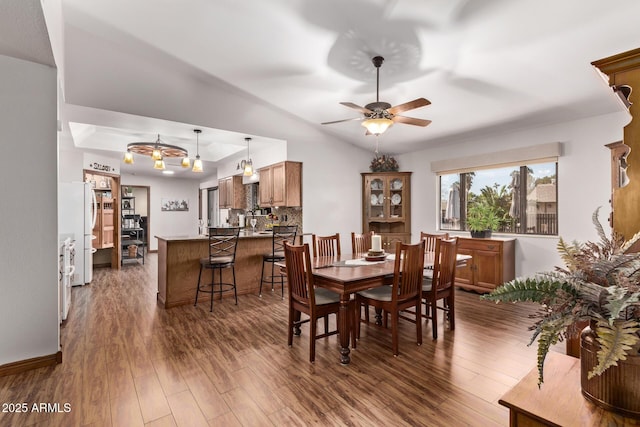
[[243, 235], [179, 265]]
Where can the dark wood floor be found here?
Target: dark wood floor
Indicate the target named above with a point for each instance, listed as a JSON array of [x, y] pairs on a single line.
[[127, 362]]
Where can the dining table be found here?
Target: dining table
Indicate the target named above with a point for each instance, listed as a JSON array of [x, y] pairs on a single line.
[[347, 274]]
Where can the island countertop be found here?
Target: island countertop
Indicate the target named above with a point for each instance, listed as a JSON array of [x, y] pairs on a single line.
[[179, 265], [243, 235]]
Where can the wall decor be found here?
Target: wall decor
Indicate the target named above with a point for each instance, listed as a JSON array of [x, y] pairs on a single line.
[[169, 204]]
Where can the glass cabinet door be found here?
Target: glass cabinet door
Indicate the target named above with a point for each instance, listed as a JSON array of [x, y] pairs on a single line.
[[395, 199], [376, 191]]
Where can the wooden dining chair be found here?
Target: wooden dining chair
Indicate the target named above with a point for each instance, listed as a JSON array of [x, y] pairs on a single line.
[[431, 238], [326, 245], [442, 285], [360, 243], [404, 293], [305, 298]]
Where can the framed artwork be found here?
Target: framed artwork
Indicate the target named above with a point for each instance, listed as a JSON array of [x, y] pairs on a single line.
[[169, 204]]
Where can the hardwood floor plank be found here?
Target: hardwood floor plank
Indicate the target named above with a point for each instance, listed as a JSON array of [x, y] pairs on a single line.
[[166, 421], [185, 410], [126, 361], [245, 409], [169, 376], [153, 403], [125, 411]]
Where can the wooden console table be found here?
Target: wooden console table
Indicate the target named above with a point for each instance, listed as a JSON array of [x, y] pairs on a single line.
[[559, 402]]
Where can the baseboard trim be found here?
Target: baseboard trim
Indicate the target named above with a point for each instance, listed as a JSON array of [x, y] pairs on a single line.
[[29, 364]]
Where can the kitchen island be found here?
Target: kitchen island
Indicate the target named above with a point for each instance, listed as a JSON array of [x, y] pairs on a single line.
[[179, 265]]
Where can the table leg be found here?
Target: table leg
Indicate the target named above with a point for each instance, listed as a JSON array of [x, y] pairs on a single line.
[[344, 330]]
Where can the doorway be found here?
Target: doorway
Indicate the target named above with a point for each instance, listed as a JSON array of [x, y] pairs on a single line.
[[140, 206]]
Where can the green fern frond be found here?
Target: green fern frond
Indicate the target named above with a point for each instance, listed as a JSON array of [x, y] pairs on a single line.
[[618, 300], [596, 222], [550, 334], [568, 253], [615, 341], [540, 288]]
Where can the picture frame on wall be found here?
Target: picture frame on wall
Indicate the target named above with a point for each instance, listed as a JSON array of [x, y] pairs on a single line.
[[171, 204]]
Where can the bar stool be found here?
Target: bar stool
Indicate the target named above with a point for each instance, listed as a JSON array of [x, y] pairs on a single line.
[[281, 234], [222, 254]]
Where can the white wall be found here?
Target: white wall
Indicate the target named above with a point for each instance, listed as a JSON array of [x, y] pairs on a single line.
[[584, 182], [29, 226], [163, 223]]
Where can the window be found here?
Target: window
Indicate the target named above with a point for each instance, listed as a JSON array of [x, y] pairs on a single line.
[[525, 197]]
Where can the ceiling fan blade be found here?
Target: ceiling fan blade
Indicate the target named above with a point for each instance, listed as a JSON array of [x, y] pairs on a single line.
[[357, 107], [340, 121], [411, 121], [416, 103]]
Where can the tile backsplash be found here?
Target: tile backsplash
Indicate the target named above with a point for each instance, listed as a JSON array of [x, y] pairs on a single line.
[[286, 215]]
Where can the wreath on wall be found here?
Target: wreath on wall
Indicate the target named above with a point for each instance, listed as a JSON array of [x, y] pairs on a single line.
[[384, 163]]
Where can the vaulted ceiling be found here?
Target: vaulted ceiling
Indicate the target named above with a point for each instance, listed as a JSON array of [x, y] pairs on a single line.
[[485, 65]]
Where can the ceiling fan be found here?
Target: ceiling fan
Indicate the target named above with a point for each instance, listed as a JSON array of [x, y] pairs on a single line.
[[379, 116]]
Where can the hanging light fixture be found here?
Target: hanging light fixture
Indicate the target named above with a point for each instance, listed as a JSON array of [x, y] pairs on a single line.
[[197, 163], [158, 151], [159, 164], [378, 125], [246, 165], [157, 154], [128, 157]]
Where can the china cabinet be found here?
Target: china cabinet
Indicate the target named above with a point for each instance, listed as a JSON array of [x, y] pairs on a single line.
[[386, 206], [281, 185], [492, 263], [231, 191]]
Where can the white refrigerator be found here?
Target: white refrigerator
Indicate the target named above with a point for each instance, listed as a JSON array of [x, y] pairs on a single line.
[[77, 216]]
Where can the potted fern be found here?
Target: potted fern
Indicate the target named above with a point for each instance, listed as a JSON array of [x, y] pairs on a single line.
[[600, 283]]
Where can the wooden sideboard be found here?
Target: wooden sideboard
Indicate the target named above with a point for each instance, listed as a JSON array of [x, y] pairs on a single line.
[[559, 402], [492, 263]]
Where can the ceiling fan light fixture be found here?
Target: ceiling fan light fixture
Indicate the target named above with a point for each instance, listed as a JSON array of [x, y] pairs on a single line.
[[377, 126], [186, 163]]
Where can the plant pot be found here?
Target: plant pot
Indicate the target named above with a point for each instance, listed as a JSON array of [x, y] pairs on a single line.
[[618, 388], [484, 234]]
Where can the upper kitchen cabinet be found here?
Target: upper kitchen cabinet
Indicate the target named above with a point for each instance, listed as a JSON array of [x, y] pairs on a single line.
[[386, 206], [231, 191], [281, 185]]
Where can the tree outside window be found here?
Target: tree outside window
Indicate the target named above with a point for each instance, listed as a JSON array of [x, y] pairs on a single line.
[[524, 197]]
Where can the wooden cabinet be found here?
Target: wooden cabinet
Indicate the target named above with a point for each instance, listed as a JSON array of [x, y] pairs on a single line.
[[386, 206], [104, 228], [492, 263], [231, 193], [281, 185]]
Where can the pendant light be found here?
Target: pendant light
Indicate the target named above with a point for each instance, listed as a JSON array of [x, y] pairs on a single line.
[[246, 165], [159, 164], [157, 153], [197, 163], [128, 157]]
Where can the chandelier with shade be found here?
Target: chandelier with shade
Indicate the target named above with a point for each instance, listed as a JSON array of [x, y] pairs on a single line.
[[159, 151]]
